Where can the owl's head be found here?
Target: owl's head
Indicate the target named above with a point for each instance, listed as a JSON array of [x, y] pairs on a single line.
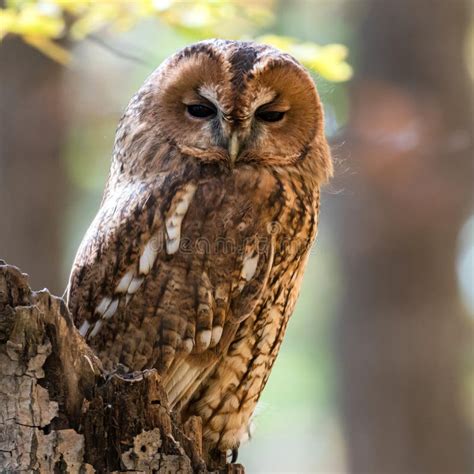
[[233, 102]]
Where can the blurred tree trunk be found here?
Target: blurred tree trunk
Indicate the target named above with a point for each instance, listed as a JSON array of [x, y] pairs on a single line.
[[32, 177], [402, 335]]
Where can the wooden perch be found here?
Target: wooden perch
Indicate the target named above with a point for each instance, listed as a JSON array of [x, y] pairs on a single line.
[[60, 411]]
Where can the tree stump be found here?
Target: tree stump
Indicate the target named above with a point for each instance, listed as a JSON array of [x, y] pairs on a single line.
[[61, 412]]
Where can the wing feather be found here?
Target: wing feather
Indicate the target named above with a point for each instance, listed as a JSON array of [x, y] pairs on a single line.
[[152, 286]]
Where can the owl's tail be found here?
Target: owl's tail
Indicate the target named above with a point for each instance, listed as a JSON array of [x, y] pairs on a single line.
[[183, 379]]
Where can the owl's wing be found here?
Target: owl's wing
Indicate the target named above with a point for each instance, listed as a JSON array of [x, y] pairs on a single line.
[[167, 271]]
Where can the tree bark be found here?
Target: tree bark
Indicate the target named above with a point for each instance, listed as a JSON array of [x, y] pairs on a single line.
[[403, 335], [59, 410]]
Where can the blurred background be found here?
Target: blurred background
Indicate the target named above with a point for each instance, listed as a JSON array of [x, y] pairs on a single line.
[[376, 374]]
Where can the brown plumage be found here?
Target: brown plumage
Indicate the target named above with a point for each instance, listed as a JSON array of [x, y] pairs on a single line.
[[194, 261]]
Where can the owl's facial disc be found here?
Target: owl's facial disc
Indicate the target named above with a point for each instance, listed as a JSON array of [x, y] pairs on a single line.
[[228, 102], [238, 104]]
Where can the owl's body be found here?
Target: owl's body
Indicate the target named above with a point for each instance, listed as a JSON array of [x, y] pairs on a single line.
[[194, 261]]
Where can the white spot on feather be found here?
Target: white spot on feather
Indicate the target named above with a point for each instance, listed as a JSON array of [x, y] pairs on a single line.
[[148, 256], [204, 338], [103, 305], [249, 267], [182, 207], [173, 230], [96, 329], [175, 219], [111, 309], [188, 345], [216, 335], [90, 363], [135, 284], [84, 328], [124, 283], [172, 246]]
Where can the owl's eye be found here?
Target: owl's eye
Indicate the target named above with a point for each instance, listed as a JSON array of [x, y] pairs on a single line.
[[270, 115], [201, 111]]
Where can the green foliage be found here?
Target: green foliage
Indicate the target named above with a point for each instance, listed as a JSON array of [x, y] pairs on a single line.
[[328, 61], [44, 24]]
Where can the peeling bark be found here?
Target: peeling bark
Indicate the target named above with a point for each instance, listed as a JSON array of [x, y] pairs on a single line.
[[61, 412]]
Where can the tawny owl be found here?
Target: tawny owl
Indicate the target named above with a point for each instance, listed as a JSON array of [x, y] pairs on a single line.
[[194, 261]]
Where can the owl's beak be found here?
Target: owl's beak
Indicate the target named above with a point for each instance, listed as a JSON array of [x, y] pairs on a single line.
[[233, 147]]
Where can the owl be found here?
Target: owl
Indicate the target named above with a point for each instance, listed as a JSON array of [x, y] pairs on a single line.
[[194, 261]]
